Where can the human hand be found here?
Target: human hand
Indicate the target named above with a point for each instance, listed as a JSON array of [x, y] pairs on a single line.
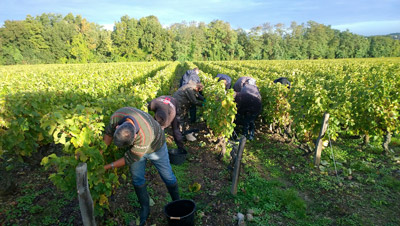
[[109, 166]]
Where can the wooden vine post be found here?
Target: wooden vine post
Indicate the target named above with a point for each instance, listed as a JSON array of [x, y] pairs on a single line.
[[222, 144], [85, 199], [318, 144], [236, 168]]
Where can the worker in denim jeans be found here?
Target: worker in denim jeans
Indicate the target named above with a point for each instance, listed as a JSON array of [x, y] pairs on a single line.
[[144, 139]]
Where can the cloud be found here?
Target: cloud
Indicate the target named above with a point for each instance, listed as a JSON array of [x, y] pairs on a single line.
[[371, 27], [108, 27]]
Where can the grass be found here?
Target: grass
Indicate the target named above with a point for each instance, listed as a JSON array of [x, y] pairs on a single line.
[[36, 207], [365, 189]]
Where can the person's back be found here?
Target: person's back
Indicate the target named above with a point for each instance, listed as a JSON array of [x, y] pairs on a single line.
[[190, 75], [248, 100], [228, 80], [251, 90], [187, 95], [164, 108], [237, 87], [150, 136], [283, 81]]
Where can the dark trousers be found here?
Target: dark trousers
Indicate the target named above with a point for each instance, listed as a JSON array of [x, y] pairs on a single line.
[[192, 113], [247, 123]]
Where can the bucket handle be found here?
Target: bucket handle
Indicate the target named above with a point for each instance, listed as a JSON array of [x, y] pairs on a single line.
[[174, 218]]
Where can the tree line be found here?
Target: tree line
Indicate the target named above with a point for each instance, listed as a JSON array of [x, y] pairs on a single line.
[[54, 38]]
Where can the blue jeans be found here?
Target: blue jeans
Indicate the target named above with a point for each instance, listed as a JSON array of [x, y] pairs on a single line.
[[160, 159]]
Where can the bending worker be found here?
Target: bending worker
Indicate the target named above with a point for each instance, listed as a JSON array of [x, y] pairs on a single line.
[[144, 140], [165, 108]]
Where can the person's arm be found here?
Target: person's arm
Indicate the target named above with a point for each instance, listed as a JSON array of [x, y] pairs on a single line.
[[191, 96], [151, 106], [199, 97], [107, 139], [119, 163]]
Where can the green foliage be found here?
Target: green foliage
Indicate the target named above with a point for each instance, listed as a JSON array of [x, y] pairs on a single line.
[[274, 97], [361, 98], [219, 107], [79, 49], [72, 110], [11, 55], [365, 185], [30, 92], [80, 131], [52, 38], [391, 182]]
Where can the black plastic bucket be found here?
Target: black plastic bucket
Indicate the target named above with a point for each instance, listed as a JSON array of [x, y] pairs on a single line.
[[180, 212], [177, 156]]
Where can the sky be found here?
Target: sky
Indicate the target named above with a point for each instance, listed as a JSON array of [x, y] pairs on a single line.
[[363, 17]]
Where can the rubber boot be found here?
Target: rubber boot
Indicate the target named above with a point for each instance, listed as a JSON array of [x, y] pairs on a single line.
[[173, 191], [143, 197]]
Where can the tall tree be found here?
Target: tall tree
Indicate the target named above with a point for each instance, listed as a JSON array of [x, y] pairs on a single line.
[[318, 37], [381, 46], [347, 45], [125, 38], [58, 33], [243, 42], [151, 42], [80, 50], [294, 43], [361, 46], [221, 41], [254, 44], [181, 40], [52, 38]]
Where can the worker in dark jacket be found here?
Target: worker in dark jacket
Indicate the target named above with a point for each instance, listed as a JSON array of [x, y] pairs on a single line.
[[248, 102], [165, 108], [145, 140], [237, 87], [190, 75], [226, 79], [186, 96], [283, 81]]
